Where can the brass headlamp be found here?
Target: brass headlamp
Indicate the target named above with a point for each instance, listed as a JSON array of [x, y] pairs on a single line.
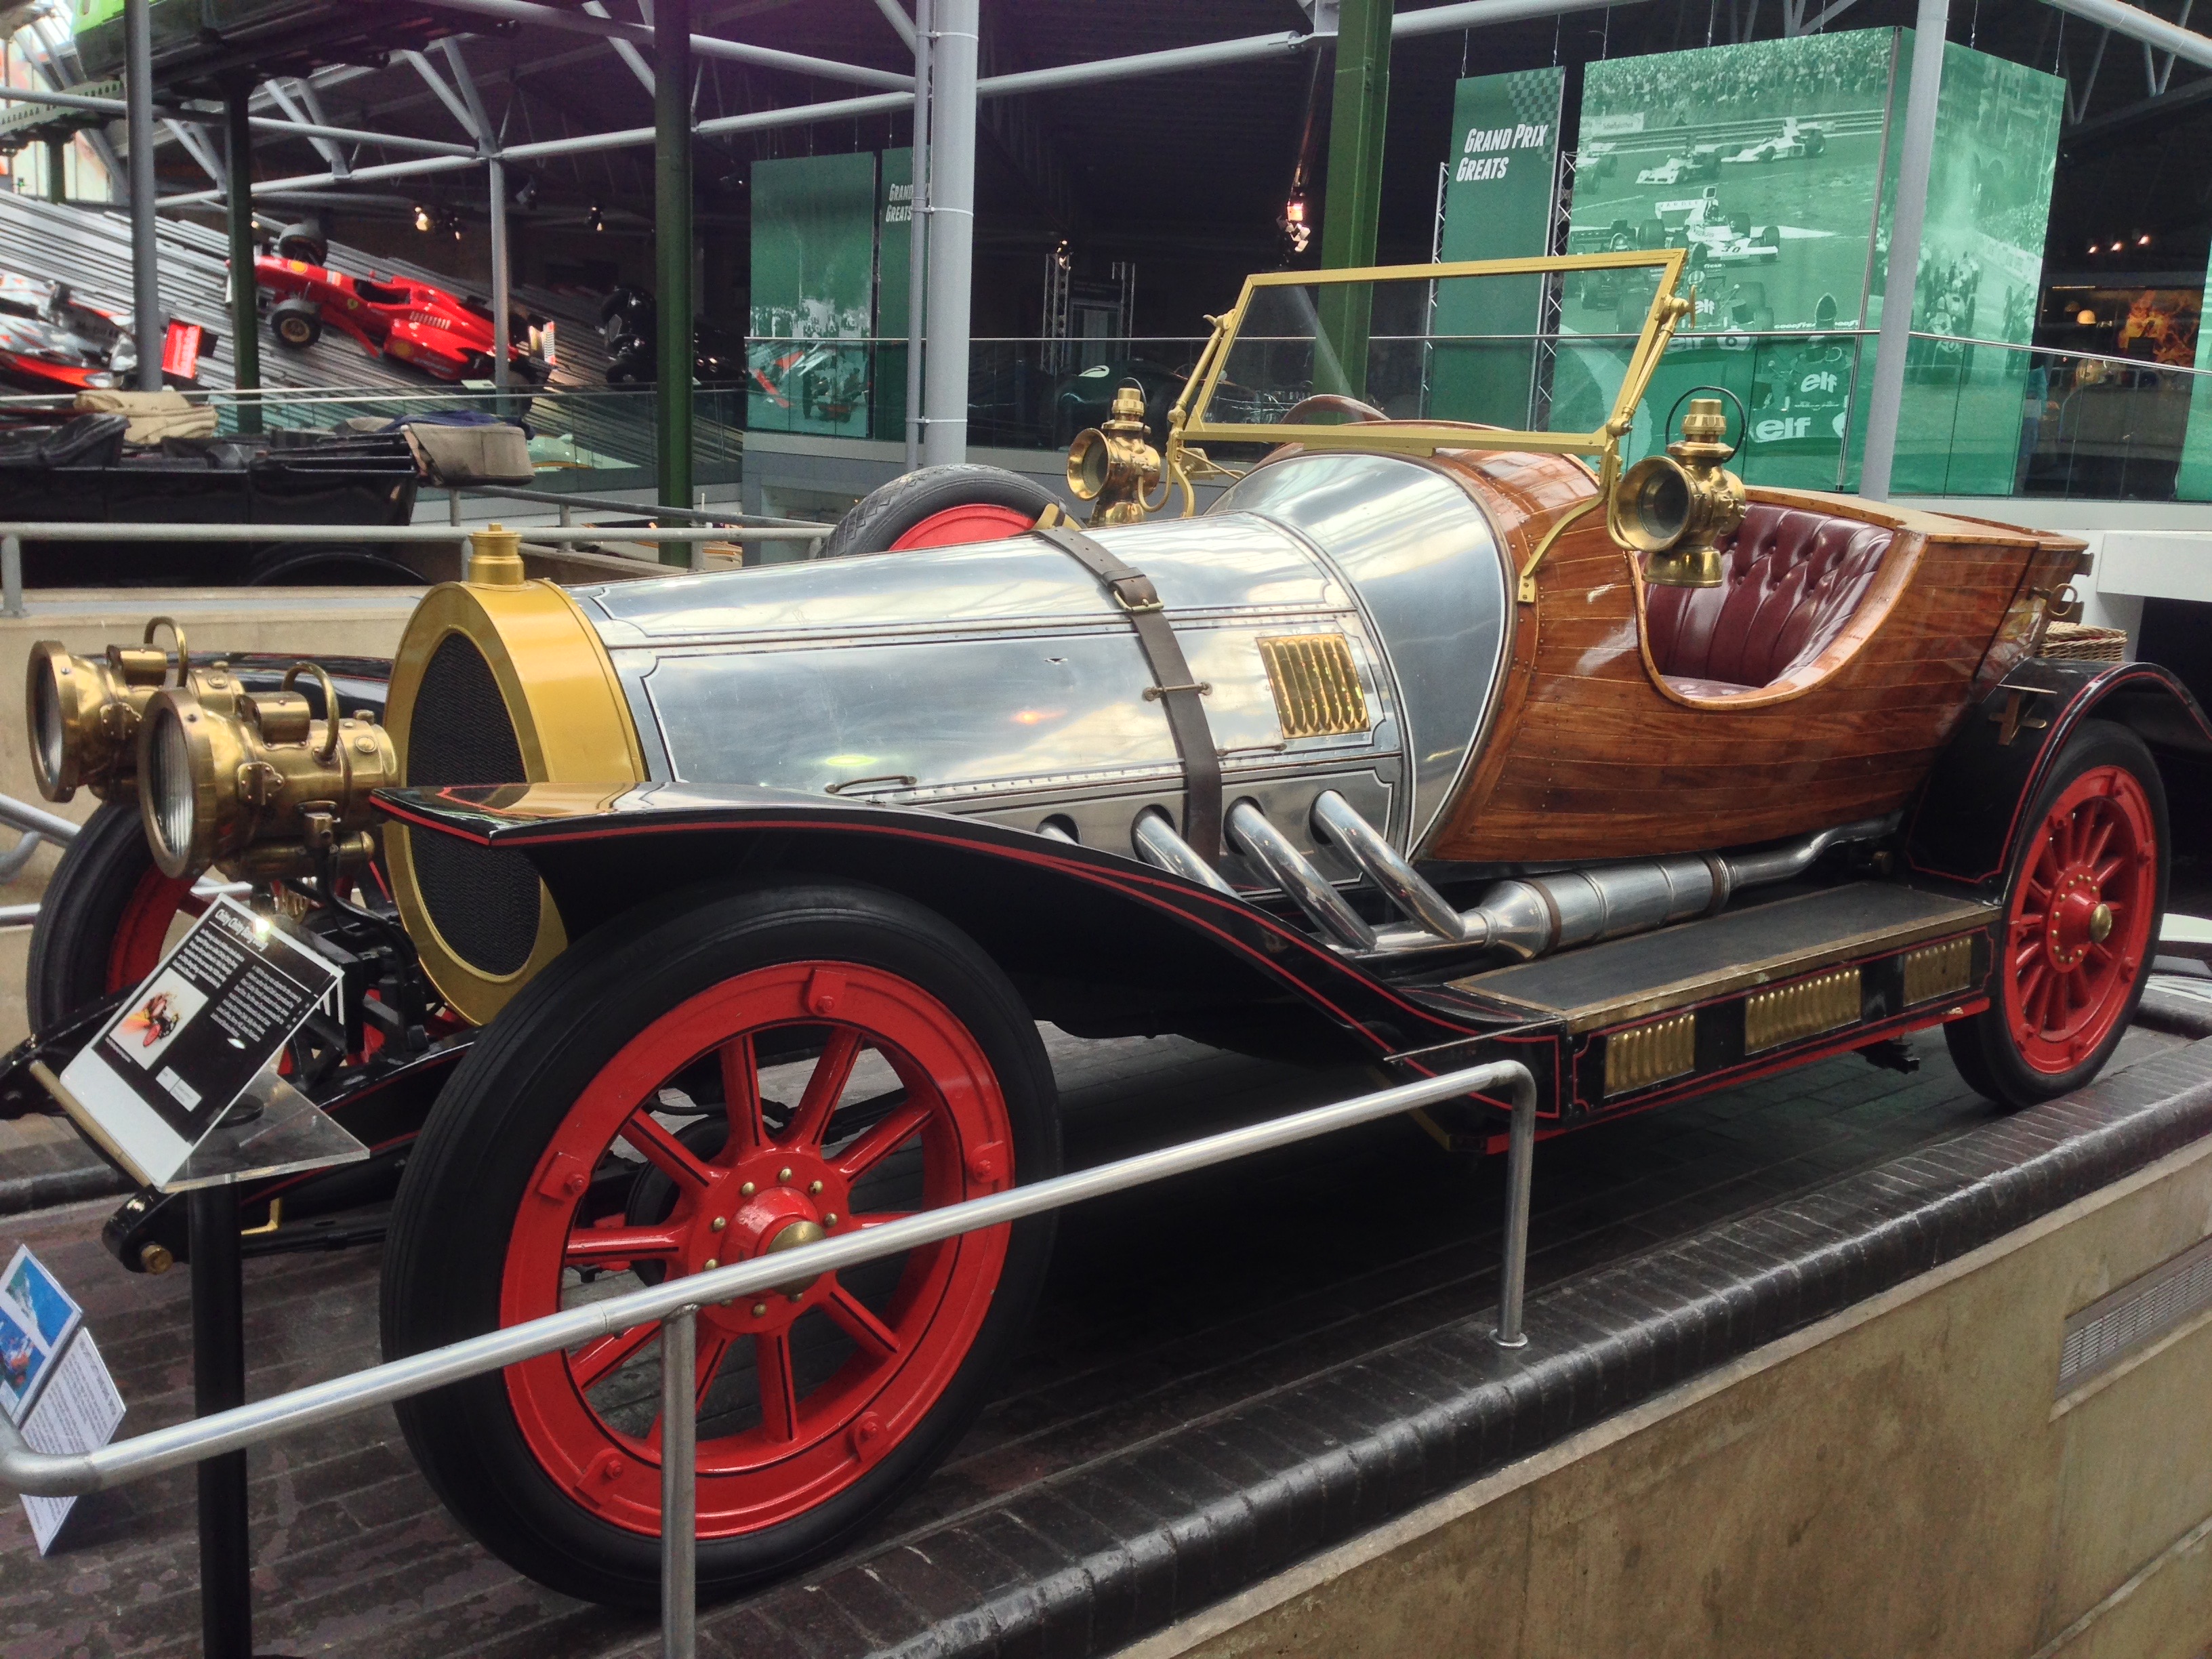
[[1115, 466], [85, 711], [260, 783], [1673, 507]]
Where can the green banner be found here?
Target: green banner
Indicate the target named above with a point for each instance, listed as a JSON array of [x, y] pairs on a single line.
[[813, 294], [1498, 194], [1981, 267], [894, 269]]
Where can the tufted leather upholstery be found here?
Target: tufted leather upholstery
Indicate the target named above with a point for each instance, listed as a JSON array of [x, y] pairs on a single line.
[[1793, 579]]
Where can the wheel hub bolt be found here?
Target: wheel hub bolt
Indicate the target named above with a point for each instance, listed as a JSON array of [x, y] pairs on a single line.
[[709, 1265], [830, 1219], [760, 1310], [717, 1223], [784, 1173], [813, 1188], [2100, 924], [747, 1190]]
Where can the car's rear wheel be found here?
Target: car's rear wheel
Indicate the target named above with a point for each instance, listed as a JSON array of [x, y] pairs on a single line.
[[104, 920], [2082, 904], [705, 1081], [297, 323], [940, 507]]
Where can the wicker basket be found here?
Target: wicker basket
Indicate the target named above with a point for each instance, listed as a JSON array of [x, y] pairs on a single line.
[[2080, 642]]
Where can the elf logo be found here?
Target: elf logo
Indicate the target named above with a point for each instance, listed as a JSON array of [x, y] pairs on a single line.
[[1820, 380], [1775, 431]]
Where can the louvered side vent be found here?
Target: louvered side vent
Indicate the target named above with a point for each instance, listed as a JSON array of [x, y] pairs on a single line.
[[1792, 1012], [1316, 686], [1938, 970], [1646, 1055], [2112, 1329]]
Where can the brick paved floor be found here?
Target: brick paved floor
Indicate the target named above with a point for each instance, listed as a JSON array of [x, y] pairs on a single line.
[[1163, 1305]]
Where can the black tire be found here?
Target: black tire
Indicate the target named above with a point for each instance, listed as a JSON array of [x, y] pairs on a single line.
[[304, 245], [1983, 1046], [463, 1188], [295, 324], [308, 565], [890, 511], [87, 900]]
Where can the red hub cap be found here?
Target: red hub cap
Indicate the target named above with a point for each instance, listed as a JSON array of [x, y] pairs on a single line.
[[808, 1099], [2081, 919], [979, 521]]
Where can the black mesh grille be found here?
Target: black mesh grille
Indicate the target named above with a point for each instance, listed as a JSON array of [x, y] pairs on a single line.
[[484, 902]]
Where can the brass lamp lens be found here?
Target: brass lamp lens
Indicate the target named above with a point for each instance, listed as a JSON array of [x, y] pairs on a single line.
[[171, 799], [1656, 504], [1087, 464], [50, 737]]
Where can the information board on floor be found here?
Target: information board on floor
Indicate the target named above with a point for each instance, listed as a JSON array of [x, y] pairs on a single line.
[[53, 1384]]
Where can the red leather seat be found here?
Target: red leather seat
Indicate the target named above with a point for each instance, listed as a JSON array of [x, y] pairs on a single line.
[[1793, 580]]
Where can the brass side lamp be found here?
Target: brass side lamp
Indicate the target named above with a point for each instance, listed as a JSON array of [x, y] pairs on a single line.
[[1673, 508], [1114, 467]]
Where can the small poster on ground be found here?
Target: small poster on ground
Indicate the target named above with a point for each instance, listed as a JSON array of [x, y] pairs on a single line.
[[191, 1038], [53, 1384]]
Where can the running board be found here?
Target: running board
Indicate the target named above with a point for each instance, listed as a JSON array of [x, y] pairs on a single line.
[[1673, 1012]]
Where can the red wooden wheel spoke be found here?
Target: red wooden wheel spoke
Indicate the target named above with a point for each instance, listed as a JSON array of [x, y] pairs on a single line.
[[874, 1337], [599, 1358], [883, 1138], [665, 1151], [779, 1388], [824, 1088], [711, 1347], [590, 1246], [741, 1090]]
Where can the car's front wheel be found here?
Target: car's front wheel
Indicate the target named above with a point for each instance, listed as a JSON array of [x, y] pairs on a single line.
[[297, 323], [708, 1081], [2082, 904]]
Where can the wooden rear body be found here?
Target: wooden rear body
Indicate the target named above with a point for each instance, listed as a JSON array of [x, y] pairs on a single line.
[[1595, 753]]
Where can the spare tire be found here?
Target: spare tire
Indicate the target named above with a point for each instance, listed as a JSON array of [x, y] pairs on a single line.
[[940, 507]]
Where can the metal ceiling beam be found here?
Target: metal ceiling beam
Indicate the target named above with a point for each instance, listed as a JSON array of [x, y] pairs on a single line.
[[300, 118], [214, 118], [624, 50], [1178, 59], [702, 46], [445, 94], [2138, 24], [894, 14]]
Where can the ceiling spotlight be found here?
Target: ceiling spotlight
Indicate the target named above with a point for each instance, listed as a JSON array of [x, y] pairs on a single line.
[[1294, 223], [2086, 317], [421, 218], [2116, 246], [593, 218], [2142, 241], [527, 198]]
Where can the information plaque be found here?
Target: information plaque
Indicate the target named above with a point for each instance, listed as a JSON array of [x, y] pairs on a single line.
[[192, 1039]]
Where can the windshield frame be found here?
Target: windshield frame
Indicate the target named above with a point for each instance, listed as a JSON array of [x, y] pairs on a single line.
[[1427, 437]]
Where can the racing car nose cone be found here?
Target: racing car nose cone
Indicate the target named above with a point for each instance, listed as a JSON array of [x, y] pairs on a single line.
[[797, 1233]]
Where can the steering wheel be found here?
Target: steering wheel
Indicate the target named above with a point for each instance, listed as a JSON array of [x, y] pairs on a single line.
[[1331, 403]]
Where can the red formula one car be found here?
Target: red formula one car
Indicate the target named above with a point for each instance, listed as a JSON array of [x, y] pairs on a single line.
[[448, 338]]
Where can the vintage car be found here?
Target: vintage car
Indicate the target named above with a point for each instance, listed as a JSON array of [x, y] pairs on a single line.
[[446, 336], [723, 908], [1797, 140], [1700, 162]]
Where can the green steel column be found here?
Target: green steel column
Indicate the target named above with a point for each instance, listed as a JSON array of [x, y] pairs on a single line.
[[1359, 107], [245, 311], [57, 176], [672, 223]]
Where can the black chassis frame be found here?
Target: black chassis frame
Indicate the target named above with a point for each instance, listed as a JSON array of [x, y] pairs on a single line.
[[1161, 953]]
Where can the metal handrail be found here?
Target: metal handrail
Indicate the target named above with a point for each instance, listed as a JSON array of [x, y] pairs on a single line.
[[675, 1304]]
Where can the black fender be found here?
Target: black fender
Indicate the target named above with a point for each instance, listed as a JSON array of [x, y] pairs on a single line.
[[1968, 818], [1100, 945]]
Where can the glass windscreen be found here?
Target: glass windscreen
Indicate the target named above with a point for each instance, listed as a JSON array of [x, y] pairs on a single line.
[[1486, 349]]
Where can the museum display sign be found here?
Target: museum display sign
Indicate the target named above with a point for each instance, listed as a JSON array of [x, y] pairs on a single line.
[[1773, 164], [814, 224]]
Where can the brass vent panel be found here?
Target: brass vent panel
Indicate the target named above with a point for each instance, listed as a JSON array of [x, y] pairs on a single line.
[[1637, 1058], [1805, 1009], [1316, 686], [1938, 970]]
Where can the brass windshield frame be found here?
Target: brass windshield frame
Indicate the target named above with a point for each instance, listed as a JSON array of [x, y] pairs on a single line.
[[1189, 424]]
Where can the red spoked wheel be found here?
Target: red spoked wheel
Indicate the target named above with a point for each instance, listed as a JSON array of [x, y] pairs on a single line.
[[798, 1391], [2081, 912], [940, 507], [142, 936], [979, 521], [712, 1082]]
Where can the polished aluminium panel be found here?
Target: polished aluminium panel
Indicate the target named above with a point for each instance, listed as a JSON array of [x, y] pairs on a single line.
[[996, 678], [1426, 570]]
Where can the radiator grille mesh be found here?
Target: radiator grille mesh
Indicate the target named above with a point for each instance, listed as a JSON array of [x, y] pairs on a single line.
[[1316, 686], [484, 903]]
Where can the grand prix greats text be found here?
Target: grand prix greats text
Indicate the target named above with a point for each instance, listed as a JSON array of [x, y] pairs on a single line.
[[1474, 164]]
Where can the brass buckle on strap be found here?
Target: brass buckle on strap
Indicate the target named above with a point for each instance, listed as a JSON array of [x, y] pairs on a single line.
[[1143, 610]]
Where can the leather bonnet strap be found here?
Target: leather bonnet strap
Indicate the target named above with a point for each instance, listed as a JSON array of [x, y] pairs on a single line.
[[1172, 685]]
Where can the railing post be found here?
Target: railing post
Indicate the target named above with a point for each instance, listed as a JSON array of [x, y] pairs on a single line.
[[11, 575], [679, 1486], [1520, 1161]]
